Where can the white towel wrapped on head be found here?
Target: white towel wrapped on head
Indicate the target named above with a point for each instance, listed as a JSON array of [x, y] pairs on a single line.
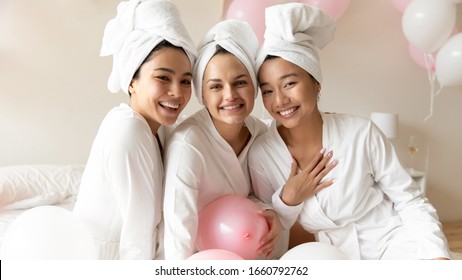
[[295, 32], [138, 27], [235, 36]]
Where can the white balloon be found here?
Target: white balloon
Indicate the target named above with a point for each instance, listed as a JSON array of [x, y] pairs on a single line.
[[48, 233], [448, 62], [427, 24], [314, 251]]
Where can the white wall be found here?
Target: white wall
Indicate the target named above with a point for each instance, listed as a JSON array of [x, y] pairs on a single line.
[[53, 83]]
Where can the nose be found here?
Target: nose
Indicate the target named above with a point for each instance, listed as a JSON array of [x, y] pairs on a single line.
[[229, 93], [281, 98], [175, 90]]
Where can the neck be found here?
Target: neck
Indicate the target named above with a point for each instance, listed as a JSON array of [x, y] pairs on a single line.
[[236, 135], [303, 141], [153, 125], [309, 132]]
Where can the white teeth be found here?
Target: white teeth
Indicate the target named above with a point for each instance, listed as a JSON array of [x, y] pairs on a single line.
[[286, 112], [170, 105], [231, 107]]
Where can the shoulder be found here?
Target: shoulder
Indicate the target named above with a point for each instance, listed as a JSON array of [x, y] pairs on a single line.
[[347, 122], [189, 133], [255, 125], [267, 140], [125, 127]]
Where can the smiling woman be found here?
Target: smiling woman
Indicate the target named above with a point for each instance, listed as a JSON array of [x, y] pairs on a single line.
[[206, 155], [121, 188]]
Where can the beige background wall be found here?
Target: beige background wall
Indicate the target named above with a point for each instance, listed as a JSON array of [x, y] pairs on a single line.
[[53, 84]]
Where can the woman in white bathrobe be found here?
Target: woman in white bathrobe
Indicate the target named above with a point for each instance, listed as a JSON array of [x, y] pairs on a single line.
[[120, 198], [367, 205], [206, 155]]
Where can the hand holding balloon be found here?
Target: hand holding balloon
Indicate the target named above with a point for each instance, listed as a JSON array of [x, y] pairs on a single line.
[[268, 242]]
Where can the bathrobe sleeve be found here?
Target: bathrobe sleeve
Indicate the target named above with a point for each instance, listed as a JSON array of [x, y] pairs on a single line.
[[418, 215], [133, 172], [184, 166], [269, 172]]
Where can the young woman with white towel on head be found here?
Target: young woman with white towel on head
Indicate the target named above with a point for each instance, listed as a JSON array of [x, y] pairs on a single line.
[[206, 155], [120, 198], [367, 205]]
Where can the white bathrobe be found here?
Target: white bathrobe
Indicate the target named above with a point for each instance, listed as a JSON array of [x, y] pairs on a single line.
[[121, 189], [200, 166], [374, 210]]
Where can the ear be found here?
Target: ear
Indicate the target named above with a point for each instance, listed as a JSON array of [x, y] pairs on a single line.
[[131, 88], [318, 87]]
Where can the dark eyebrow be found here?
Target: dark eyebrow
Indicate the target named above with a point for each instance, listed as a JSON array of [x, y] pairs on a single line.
[[171, 71], [219, 80], [280, 78], [213, 80], [165, 70], [240, 76]]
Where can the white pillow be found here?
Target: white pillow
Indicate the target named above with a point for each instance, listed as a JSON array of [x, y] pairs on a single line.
[[26, 186]]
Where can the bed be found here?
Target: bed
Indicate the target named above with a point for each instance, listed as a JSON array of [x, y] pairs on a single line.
[[23, 187]]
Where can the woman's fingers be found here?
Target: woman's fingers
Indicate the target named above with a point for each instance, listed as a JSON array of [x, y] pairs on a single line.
[[293, 168], [268, 242], [315, 161]]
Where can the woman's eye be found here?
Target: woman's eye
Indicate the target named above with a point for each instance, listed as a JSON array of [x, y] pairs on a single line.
[[186, 82], [241, 83], [289, 84], [162, 78], [267, 91], [215, 87]]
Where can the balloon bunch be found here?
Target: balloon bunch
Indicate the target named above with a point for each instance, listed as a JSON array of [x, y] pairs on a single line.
[[434, 41], [253, 12]]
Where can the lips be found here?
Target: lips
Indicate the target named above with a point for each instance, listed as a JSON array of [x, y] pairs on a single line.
[[287, 112], [169, 105], [232, 107]]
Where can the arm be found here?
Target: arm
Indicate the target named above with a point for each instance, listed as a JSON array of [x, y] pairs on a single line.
[[183, 168], [136, 187], [288, 200], [418, 215]]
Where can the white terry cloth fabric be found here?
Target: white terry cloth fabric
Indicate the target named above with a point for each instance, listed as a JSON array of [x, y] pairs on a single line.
[[120, 196], [138, 27], [235, 36], [200, 166], [374, 210], [295, 32]]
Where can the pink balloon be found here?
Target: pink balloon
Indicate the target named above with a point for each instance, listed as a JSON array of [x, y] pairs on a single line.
[[253, 12], [215, 254], [334, 8], [231, 223], [401, 4], [419, 57]]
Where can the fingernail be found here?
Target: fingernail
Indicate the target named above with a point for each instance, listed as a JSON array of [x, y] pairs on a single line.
[[334, 162], [323, 150], [330, 153]]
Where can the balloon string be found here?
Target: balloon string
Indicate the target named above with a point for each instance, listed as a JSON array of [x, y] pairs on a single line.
[[434, 92]]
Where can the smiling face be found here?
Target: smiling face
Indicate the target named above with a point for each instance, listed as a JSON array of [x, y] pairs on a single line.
[[161, 88], [289, 93], [227, 89]]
